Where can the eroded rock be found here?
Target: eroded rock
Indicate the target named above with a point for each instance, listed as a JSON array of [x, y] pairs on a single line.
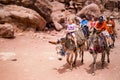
[[90, 10], [22, 17], [6, 30]]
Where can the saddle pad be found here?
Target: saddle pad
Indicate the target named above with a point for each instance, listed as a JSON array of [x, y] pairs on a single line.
[[80, 36]]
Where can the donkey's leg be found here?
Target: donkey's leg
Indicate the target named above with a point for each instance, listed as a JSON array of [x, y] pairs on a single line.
[[67, 58], [82, 50], [82, 57], [75, 59], [87, 44], [113, 39], [94, 62], [103, 58], [71, 60], [108, 53]]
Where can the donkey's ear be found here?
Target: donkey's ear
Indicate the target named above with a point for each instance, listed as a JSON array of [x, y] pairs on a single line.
[[63, 39], [94, 31]]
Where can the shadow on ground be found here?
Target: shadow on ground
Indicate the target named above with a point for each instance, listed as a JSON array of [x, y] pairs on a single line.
[[66, 67], [98, 67]]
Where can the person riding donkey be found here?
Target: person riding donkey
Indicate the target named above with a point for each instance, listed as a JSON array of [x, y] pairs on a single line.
[[92, 25], [71, 28], [101, 26], [72, 41], [110, 29], [84, 25], [114, 28], [98, 43]]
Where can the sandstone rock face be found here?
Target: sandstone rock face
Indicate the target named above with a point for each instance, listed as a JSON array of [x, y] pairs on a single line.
[[43, 7], [57, 13], [21, 17], [90, 10], [58, 16], [70, 0], [61, 1], [104, 4], [108, 13], [87, 2], [6, 31], [58, 26], [6, 1], [57, 6]]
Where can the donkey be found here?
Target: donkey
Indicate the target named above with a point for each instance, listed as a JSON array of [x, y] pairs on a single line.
[[98, 44], [70, 50]]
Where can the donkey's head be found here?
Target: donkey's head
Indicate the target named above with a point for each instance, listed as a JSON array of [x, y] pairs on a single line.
[[93, 42], [60, 48], [65, 44]]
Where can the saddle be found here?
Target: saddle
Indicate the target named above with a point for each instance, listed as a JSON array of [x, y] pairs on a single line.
[[102, 44], [99, 45]]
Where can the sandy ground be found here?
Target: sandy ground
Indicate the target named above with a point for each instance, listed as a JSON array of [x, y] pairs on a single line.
[[30, 57]]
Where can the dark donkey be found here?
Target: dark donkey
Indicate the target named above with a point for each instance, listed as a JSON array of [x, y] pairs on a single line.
[[98, 44], [70, 50]]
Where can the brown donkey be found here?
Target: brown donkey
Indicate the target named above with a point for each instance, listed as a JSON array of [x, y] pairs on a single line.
[[70, 50]]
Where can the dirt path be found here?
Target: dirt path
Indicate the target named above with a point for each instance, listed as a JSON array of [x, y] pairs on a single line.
[[37, 60]]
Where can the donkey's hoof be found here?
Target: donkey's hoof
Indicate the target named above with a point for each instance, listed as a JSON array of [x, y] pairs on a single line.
[[82, 61], [93, 73], [60, 59], [108, 61], [102, 67], [74, 65], [71, 69]]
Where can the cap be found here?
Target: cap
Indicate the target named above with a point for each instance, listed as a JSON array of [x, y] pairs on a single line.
[[101, 19]]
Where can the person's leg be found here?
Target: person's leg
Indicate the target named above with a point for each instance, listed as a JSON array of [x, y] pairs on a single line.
[[75, 39], [106, 34], [86, 30], [111, 40], [107, 40]]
